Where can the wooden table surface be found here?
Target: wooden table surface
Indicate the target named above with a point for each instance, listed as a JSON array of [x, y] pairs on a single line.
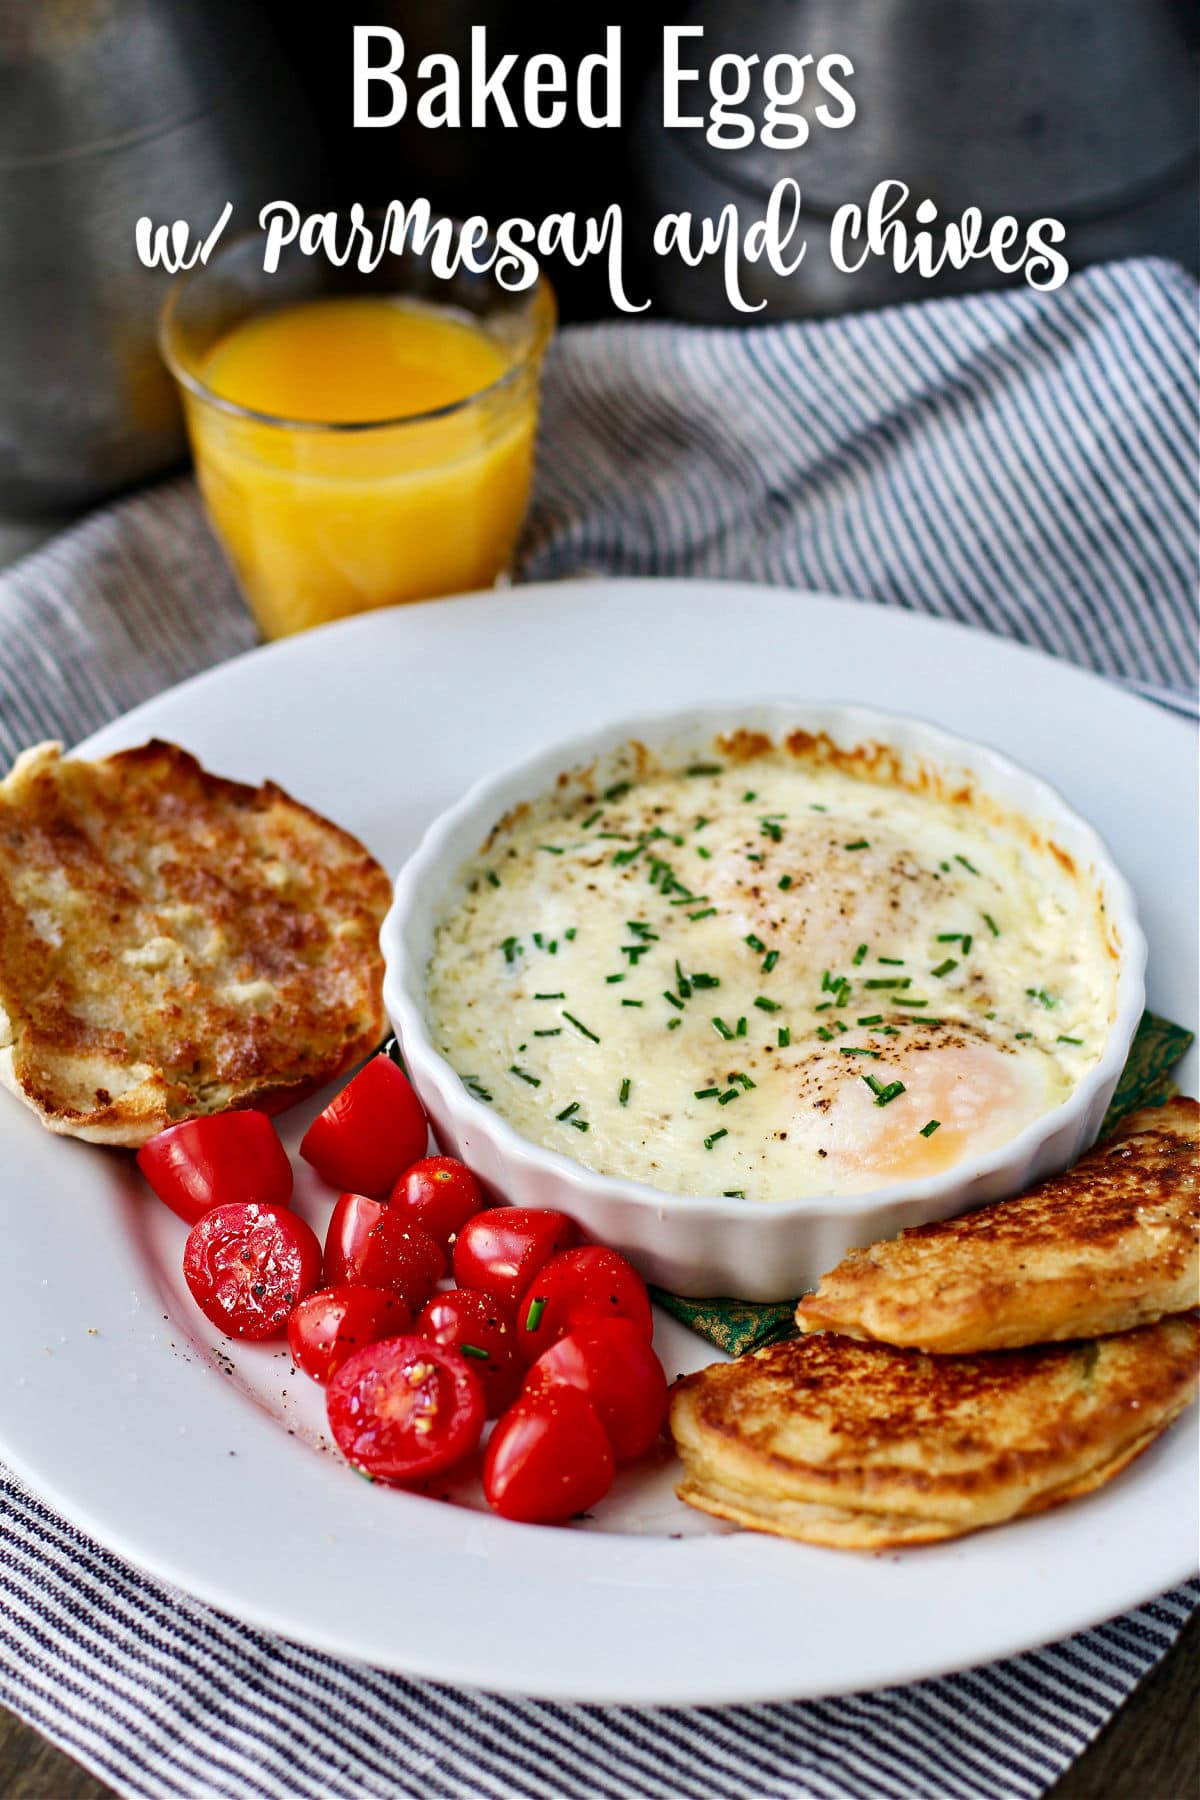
[[1149, 1751]]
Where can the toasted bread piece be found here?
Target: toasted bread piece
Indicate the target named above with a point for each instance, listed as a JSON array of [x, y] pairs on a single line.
[[861, 1445], [173, 943], [1113, 1243]]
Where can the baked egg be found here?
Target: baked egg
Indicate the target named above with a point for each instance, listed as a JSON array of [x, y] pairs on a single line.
[[780, 970]]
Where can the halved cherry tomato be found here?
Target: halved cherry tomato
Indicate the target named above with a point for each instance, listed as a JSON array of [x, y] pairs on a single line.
[[247, 1266], [441, 1194], [370, 1133], [369, 1245], [216, 1161], [548, 1458], [500, 1251], [580, 1287], [327, 1327], [477, 1328], [405, 1408], [612, 1364]]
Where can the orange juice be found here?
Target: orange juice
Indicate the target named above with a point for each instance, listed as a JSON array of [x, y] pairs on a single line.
[[370, 450]]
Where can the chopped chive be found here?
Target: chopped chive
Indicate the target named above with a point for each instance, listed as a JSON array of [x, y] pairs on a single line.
[[733, 1193], [715, 1138], [874, 1083], [860, 955], [813, 807], [580, 1026], [755, 943], [553, 1031], [568, 1110], [537, 938], [1064, 1039], [824, 1034], [511, 948], [618, 790], [744, 1080], [892, 981], [640, 928], [896, 962], [705, 769], [580, 1125], [921, 1021], [475, 1088], [727, 1096], [551, 849], [944, 968], [991, 924], [701, 851], [474, 1350], [708, 913], [749, 795], [849, 1050], [872, 1019], [709, 1093], [701, 822], [722, 1029], [892, 1091], [944, 867], [591, 818], [493, 878], [968, 866], [674, 1024], [906, 1005], [524, 1075], [633, 951], [682, 984], [785, 882], [611, 978], [1041, 994], [772, 829], [672, 999], [633, 1003], [552, 946], [966, 945], [1022, 1034], [706, 981], [888, 1031], [858, 844], [533, 1317], [769, 961], [838, 1026], [785, 1036], [928, 1130], [549, 996], [765, 1005], [751, 857], [824, 1006], [949, 937], [741, 1028], [623, 1091]]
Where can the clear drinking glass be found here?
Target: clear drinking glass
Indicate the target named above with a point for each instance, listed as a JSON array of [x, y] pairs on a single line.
[[323, 519]]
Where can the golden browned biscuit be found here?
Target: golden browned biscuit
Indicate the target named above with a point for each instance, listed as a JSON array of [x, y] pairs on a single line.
[[1112, 1243], [862, 1446], [173, 943]]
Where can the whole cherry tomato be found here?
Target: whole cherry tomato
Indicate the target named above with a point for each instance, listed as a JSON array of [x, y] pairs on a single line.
[[327, 1327], [548, 1458], [405, 1408], [248, 1265], [580, 1287], [612, 1364], [370, 1133], [477, 1328], [369, 1245], [215, 1161], [500, 1251], [439, 1193]]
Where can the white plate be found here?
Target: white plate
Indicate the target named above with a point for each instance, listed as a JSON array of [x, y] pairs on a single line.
[[195, 1459]]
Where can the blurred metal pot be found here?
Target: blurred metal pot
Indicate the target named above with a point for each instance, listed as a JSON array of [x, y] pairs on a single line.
[[111, 109]]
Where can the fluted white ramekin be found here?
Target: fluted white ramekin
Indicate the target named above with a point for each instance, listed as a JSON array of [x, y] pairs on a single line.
[[755, 1250]]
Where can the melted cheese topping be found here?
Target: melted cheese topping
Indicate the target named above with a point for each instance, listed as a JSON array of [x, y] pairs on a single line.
[[773, 979]]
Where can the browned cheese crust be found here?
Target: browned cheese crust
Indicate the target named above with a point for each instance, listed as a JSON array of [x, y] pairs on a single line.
[[173, 943], [1110, 1244], [861, 1446]]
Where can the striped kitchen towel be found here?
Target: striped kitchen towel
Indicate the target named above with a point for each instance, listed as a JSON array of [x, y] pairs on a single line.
[[1022, 462]]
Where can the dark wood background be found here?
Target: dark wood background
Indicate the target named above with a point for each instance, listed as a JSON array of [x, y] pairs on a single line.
[[1150, 1750]]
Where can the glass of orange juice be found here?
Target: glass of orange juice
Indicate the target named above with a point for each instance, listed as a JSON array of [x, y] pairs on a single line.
[[360, 438]]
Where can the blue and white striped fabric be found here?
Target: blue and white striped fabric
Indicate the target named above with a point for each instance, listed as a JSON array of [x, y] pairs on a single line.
[[1024, 463]]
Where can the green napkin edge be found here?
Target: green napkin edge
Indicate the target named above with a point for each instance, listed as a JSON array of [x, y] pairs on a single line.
[[737, 1326]]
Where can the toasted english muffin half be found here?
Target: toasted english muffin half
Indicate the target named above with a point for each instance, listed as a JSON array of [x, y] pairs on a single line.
[[862, 1446], [173, 943], [1111, 1244]]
